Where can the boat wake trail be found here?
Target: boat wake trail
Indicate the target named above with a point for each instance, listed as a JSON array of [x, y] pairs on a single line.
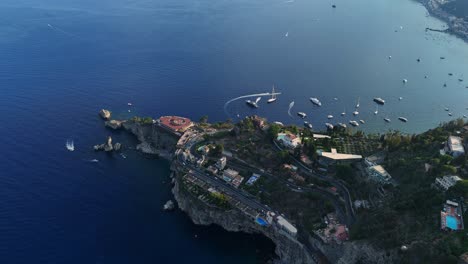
[[290, 107], [245, 96], [60, 30]]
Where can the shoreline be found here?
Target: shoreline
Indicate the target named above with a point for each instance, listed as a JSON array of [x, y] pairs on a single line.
[[456, 26], [157, 140]]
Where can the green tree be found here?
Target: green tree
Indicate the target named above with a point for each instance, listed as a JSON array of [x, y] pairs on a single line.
[[273, 131], [204, 119]]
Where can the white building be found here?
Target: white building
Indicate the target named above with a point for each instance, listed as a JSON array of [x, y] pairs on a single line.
[[379, 174], [289, 140], [446, 182], [229, 175], [221, 163], [333, 157], [286, 226], [455, 146]]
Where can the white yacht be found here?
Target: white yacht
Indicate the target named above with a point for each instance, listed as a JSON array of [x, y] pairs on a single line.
[[405, 80], [387, 120], [362, 121], [344, 112], [376, 110], [315, 101], [356, 113], [302, 115], [329, 126], [253, 104], [379, 100], [329, 116], [403, 119], [70, 145], [342, 125], [354, 123], [278, 123], [273, 96], [308, 125], [358, 104]]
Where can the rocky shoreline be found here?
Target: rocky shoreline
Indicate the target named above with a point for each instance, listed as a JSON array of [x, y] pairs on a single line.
[[456, 25], [288, 251], [154, 140]]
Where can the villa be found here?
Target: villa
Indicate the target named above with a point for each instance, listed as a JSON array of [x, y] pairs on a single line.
[[451, 216], [289, 140], [379, 174], [454, 146], [446, 182]]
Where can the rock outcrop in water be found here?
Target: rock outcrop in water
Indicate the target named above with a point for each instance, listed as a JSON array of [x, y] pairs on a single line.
[[105, 114], [114, 124], [153, 139], [108, 147]]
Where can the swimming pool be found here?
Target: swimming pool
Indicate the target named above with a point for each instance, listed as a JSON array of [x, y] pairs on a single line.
[[261, 221], [451, 222]]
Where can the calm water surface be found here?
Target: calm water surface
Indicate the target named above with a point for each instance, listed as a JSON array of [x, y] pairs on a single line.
[[61, 61]]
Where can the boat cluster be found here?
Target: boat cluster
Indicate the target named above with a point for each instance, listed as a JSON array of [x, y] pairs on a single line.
[[355, 123]]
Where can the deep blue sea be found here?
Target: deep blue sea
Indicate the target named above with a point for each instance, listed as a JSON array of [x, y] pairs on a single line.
[[63, 60]]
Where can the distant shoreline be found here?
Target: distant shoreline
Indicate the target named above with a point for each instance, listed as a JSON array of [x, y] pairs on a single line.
[[456, 26]]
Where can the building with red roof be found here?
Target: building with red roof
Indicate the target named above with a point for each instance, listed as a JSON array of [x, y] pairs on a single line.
[[175, 124]]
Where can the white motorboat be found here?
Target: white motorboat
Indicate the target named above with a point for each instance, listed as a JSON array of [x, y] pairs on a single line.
[[302, 115], [315, 101], [70, 145], [379, 100], [354, 123], [253, 104]]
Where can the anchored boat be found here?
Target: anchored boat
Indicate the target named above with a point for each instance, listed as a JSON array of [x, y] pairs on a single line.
[[273, 96], [315, 101]]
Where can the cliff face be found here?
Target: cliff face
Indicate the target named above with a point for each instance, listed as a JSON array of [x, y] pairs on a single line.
[[153, 139], [289, 251]]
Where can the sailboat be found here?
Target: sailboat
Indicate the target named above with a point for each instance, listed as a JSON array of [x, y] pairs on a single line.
[[70, 145], [273, 96], [376, 110]]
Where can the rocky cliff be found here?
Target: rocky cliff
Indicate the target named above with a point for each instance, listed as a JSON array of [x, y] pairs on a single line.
[[153, 139], [288, 251]]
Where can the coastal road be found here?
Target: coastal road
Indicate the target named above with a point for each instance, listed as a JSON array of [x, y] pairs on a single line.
[[222, 186]]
